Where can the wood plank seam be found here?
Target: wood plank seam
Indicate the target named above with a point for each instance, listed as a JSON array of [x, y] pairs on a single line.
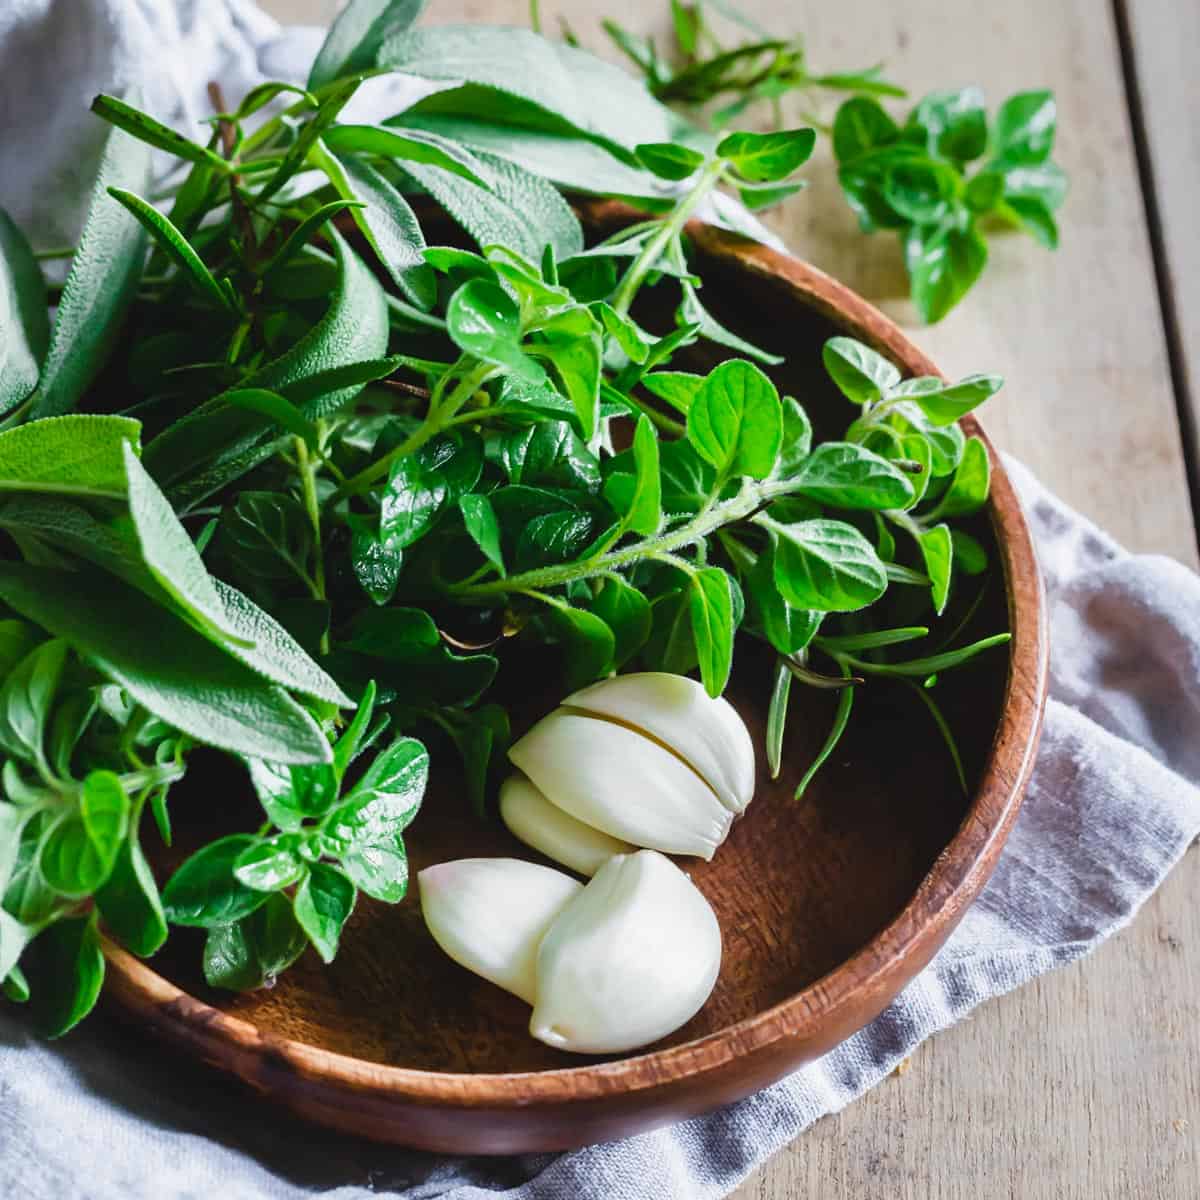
[[1185, 403]]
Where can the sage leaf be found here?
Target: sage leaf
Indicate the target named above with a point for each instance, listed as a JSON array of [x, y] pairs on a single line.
[[24, 326], [164, 664], [101, 283], [75, 455], [357, 33], [408, 145]]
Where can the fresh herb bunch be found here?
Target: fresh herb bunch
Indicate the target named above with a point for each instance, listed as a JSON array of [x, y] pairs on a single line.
[[761, 70], [917, 179], [284, 481]]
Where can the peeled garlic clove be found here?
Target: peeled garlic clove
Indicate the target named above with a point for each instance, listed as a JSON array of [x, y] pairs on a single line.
[[628, 960], [490, 915], [617, 781], [677, 711], [558, 835]]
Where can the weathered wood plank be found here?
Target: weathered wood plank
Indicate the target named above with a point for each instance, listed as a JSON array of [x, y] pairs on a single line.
[[1162, 41], [1086, 1084]]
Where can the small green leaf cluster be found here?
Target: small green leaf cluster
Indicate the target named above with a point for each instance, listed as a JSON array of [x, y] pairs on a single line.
[[944, 176], [281, 477]]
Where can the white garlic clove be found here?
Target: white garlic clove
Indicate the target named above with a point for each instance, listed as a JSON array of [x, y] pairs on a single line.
[[558, 835], [490, 915], [614, 779], [676, 710], [628, 960]]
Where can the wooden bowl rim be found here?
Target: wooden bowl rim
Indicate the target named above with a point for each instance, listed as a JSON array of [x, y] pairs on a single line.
[[952, 883]]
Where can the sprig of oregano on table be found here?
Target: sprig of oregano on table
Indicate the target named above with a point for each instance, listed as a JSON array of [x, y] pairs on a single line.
[[285, 482], [942, 178]]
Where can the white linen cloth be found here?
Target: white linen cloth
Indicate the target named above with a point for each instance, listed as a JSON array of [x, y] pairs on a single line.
[[107, 1114]]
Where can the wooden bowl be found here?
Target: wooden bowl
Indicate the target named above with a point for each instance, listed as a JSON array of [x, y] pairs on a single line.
[[828, 906]]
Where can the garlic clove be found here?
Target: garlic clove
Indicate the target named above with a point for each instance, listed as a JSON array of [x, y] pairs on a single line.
[[628, 960], [676, 710], [490, 915], [614, 779], [558, 835]]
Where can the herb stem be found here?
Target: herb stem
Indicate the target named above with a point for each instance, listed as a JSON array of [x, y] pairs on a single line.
[[668, 230], [700, 526]]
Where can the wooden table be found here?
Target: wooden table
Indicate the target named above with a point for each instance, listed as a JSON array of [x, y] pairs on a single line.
[[1086, 1083]]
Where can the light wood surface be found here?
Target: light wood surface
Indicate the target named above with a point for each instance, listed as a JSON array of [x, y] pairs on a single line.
[[1084, 1085], [1163, 36]]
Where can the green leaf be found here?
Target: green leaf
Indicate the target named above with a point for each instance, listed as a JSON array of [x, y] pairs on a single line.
[[954, 124], [69, 861], [561, 157], [767, 157], [710, 601], [736, 421], [376, 564], [626, 612], [550, 454], [861, 125], [669, 161], [788, 629], [387, 221], [484, 320], [969, 556], [1023, 130], [408, 145], [379, 869], [24, 326], [589, 644], [480, 520], [916, 667], [323, 903], [851, 642], [72, 455], [677, 388], [827, 566], [633, 340], [252, 952], [1045, 182], [847, 475], [204, 891], [984, 191], [518, 210], [176, 246], [841, 718], [387, 797], [356, 35], [269, 865], [272, 405], [937, 553], [163, 663], [943, 265], [218, 443], [968, 490], [577, 362], [692, 312], [639, 497], [1033, 215], [267, 534], [952, 401], [25, 700], [797, 437], [301, 235], [105, 809], [103, 277], [129, 901], [922, 190], [862, 375], [289, 793], [15, 986], [154, 133], [519, 78], [347, 746], [423, 484], [69, 975]]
